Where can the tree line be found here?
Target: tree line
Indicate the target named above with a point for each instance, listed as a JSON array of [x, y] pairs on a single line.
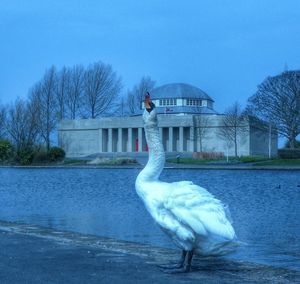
[[69, 93], [96, 91]]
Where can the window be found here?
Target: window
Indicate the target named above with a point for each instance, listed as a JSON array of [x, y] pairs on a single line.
[[193, 102], [168, 102]]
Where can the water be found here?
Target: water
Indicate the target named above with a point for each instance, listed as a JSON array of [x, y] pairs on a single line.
[[103, 202]]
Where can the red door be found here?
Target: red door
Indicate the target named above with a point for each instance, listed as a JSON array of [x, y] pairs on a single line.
[[136, 144]]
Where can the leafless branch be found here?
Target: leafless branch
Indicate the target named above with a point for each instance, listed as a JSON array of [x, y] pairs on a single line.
[[277, 101], [232, 124], [21, 124], [136, 95], [101, 88]]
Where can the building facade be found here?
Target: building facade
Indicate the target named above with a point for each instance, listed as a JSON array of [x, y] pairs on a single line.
[[187, 123]]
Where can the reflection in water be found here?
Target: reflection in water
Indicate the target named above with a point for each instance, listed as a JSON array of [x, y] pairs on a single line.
[[104, 202]]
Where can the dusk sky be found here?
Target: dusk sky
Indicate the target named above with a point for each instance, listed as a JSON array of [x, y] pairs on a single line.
[[225, 48]]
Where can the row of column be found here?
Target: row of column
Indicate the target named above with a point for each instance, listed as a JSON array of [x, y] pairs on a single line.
[[134, 139]]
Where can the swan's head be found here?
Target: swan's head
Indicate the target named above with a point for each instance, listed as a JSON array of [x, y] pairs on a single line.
[[149, 106], [149, 115]]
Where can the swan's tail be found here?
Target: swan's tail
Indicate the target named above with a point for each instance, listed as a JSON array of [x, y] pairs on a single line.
[[219, 248]]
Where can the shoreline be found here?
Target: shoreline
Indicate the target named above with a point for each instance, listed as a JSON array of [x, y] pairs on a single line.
[[39, 254], [168, 166]]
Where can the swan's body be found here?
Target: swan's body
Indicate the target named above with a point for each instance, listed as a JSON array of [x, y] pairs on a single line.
[[188, 213]]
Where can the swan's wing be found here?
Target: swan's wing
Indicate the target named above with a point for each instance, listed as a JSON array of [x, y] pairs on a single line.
[[195, 207], [175, 229], [154, 202]]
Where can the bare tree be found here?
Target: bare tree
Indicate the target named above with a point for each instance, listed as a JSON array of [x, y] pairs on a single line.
[[232, 124], [21, 124], [101, 88], [121, 108], [74, 94], [277, 100], [61, 91], [136, 95], [201, 123], [2, 121], [42, 96], [262, 123]]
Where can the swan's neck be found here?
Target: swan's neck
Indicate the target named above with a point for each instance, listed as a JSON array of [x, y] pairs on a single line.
[[156, 159]]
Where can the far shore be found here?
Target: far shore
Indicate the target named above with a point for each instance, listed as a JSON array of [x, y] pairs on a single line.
[[168, 166]]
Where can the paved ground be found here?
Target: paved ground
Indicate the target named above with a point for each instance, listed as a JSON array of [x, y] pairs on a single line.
[[32, 254]]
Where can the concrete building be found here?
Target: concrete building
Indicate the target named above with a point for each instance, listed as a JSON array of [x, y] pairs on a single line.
[[187, 123]]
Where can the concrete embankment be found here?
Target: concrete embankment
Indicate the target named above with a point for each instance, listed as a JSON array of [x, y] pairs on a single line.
[[33, 254], [242, 167]]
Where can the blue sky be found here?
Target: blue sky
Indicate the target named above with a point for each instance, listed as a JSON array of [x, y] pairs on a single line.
[[224, 47]]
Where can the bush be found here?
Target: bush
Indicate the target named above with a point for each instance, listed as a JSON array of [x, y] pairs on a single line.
[[297, 144], [208, 155], [125, 161], [6, 150], [289, 153], [25, 156], [40, 156], [112, 161], [56, 154]]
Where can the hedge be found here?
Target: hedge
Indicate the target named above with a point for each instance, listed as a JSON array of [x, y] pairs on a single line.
[[289, 153], [6, 150], [56, 154]]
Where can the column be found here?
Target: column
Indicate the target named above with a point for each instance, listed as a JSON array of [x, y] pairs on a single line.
[[181, 139], [120, 140], [192, 139], [170, 139], [100, 140], [129, 144], [197, 138], [140, 137], [109, 146], [160, 129]]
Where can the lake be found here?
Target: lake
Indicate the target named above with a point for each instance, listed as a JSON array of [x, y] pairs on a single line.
[[264, 205]]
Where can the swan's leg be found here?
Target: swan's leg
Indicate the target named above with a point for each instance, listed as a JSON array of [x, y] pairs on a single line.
[[185, 265], [179, 264], [188, 263], [182, 259]]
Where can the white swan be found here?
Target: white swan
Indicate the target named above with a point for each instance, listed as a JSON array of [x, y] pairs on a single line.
[[192, 217]]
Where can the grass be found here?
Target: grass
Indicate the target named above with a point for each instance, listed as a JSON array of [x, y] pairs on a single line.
[[244, 159], [102, 162], [118, 162], [256, 160], [73, 162], [251, 159], [279, 162], [191, 161]]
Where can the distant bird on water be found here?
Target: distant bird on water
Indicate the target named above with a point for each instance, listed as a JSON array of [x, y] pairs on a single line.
[[192, 217]]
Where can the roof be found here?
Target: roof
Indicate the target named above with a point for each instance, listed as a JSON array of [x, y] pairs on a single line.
[[179, 90], [181, 109]]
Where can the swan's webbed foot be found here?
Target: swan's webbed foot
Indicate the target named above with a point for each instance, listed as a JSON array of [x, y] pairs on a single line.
[[175, 265], [183, 266], [184, 269], [170, 266]]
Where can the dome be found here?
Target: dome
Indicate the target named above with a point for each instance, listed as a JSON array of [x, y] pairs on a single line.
[[180, 98], [179, 90]]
